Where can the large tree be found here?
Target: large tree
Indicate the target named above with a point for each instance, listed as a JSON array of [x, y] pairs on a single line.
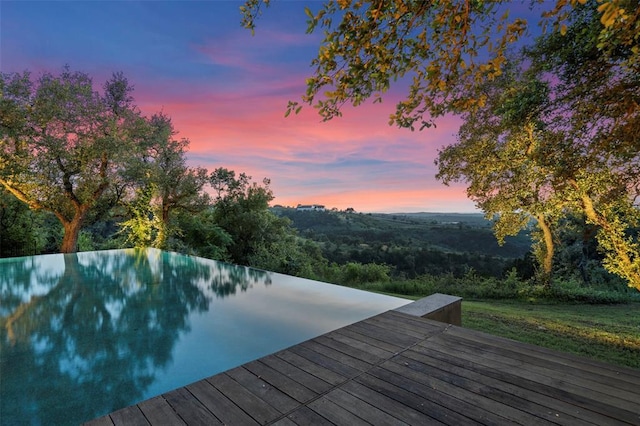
[[165, 185], [577, 108], [579, 151], [62, 144], [498, 153]]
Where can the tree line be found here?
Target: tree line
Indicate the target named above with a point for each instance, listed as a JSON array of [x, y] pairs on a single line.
[[551, 130], [79, 167]]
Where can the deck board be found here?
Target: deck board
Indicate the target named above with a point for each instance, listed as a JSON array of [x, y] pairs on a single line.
[[395, 369]]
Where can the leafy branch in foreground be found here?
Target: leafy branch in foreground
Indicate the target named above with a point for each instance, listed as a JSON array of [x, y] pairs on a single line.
[[442, 50]]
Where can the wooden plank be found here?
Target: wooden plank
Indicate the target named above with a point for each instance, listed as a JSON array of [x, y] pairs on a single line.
[[324, 361], [630, 375], [330, 352], [567, 413], [284, 422], [224, 409], [335, 413], [362, 408], [479, 400], [441, 406], [293, 372], [572, 365], [311, 367], [353, 334], [362, 344], [520, 375], [158, 411], [429, 324], [263, 390], [350, 350], [492, 389], [129, 416], [580, 410], [189, 408], [276, 379], [305, 416], [257, 408], [394, 407], [623, 399], [380, 333], [412, 326]]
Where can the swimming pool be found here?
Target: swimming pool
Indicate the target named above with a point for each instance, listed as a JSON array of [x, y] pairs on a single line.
[[85, 334]]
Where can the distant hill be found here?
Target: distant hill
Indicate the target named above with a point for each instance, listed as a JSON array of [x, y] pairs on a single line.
[[448, 232]]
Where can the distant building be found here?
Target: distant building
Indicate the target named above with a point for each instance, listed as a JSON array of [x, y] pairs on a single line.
[[310, 207]]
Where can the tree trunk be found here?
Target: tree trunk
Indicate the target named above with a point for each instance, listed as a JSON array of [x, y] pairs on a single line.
[[547, 260], [71, 233]]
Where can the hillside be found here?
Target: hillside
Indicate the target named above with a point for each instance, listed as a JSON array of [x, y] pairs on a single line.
[[413, 243]]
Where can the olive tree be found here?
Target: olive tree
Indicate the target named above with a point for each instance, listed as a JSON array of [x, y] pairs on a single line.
[[63, 144]]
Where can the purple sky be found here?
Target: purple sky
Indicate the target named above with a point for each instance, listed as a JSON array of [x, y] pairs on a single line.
[[227, 91]]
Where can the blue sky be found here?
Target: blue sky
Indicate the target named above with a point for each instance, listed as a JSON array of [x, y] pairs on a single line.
[[227, 92]]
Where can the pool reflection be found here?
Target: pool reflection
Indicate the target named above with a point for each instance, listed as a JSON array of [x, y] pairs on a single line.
[[85, 334]]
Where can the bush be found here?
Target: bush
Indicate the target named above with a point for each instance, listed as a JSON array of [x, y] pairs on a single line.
[[474, 287]]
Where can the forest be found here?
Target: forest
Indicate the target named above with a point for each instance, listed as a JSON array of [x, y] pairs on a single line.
[[548, 149]]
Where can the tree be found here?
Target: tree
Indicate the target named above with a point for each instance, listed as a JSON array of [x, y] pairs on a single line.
[[165, 185], [241, 208], [498, 154], [441, 49], [62, 144], [447, 52], [580, 155]]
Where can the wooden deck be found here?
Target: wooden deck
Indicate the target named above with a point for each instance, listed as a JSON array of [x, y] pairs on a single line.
[[398, 369]]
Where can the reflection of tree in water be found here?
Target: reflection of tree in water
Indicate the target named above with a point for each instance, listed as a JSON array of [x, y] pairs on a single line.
[[228, 278], [95, 331]]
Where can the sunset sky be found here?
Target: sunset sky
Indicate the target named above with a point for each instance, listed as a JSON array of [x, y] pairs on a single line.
[[226, 91]]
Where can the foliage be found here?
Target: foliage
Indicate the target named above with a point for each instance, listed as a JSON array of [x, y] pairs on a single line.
[[241, 209], [411, 245], [292, 255], [200, 235], [162, 170], [354, 273], [62, 144], [496, 154], [558, 138], [22, 231], [143, 225], [562, 137], [442, 50]]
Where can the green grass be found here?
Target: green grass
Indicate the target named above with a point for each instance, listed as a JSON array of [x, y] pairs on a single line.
[[609, 333]]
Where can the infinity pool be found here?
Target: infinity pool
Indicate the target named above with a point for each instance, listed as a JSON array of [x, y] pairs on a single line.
[[85, 334]]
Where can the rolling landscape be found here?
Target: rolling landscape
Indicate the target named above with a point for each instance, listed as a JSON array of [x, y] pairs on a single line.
[[152, 153]]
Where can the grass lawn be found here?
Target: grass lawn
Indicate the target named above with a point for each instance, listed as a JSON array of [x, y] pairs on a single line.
[[609, 333]]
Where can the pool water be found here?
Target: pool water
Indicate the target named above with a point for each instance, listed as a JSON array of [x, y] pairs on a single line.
[[85, 334]]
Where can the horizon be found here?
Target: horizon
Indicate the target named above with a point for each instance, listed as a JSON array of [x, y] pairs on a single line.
[[226, 91]]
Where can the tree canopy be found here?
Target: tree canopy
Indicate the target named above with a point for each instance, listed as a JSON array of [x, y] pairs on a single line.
[[547, 133], [62, 144], [440, 50]]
